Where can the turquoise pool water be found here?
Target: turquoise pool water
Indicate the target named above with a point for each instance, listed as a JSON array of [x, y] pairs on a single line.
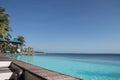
[[79, 66]]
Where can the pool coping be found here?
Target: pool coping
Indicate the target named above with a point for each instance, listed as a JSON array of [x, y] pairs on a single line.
[[42, 73]]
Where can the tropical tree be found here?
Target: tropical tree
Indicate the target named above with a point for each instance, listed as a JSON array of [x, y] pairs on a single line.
[[4, 25], [4, 28], [22, 40], [4, 32]]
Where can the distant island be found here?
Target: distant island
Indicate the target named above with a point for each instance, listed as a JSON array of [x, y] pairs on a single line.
[[39, 52]]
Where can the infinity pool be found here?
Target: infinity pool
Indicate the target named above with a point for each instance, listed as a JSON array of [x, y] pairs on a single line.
[[84, 67]]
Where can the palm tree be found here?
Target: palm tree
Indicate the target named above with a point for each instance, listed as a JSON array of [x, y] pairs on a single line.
[[22, 40], [4, 25], [4, 28]]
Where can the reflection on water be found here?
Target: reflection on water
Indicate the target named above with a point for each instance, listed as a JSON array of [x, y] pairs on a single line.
[[25, 58]]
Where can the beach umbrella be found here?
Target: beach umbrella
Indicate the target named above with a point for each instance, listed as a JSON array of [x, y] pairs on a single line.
[[3, 40], [15, 42]]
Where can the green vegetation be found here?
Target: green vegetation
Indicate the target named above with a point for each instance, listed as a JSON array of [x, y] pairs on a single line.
[[4, 25], [21, 39], [5, 35]]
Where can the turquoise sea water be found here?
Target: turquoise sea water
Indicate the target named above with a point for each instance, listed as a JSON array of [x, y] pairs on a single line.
[[85, 66]]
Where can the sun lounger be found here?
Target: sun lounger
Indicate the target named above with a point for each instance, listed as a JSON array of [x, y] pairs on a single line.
[[5, 63], [9, 71]]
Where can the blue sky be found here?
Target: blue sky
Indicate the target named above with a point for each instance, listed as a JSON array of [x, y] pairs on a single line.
[[70, 26]]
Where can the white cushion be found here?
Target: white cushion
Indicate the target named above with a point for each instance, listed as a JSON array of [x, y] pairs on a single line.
[[6, 75], [5, 63]]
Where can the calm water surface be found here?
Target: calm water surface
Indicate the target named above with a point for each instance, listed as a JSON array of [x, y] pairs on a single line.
[[85, 66]]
